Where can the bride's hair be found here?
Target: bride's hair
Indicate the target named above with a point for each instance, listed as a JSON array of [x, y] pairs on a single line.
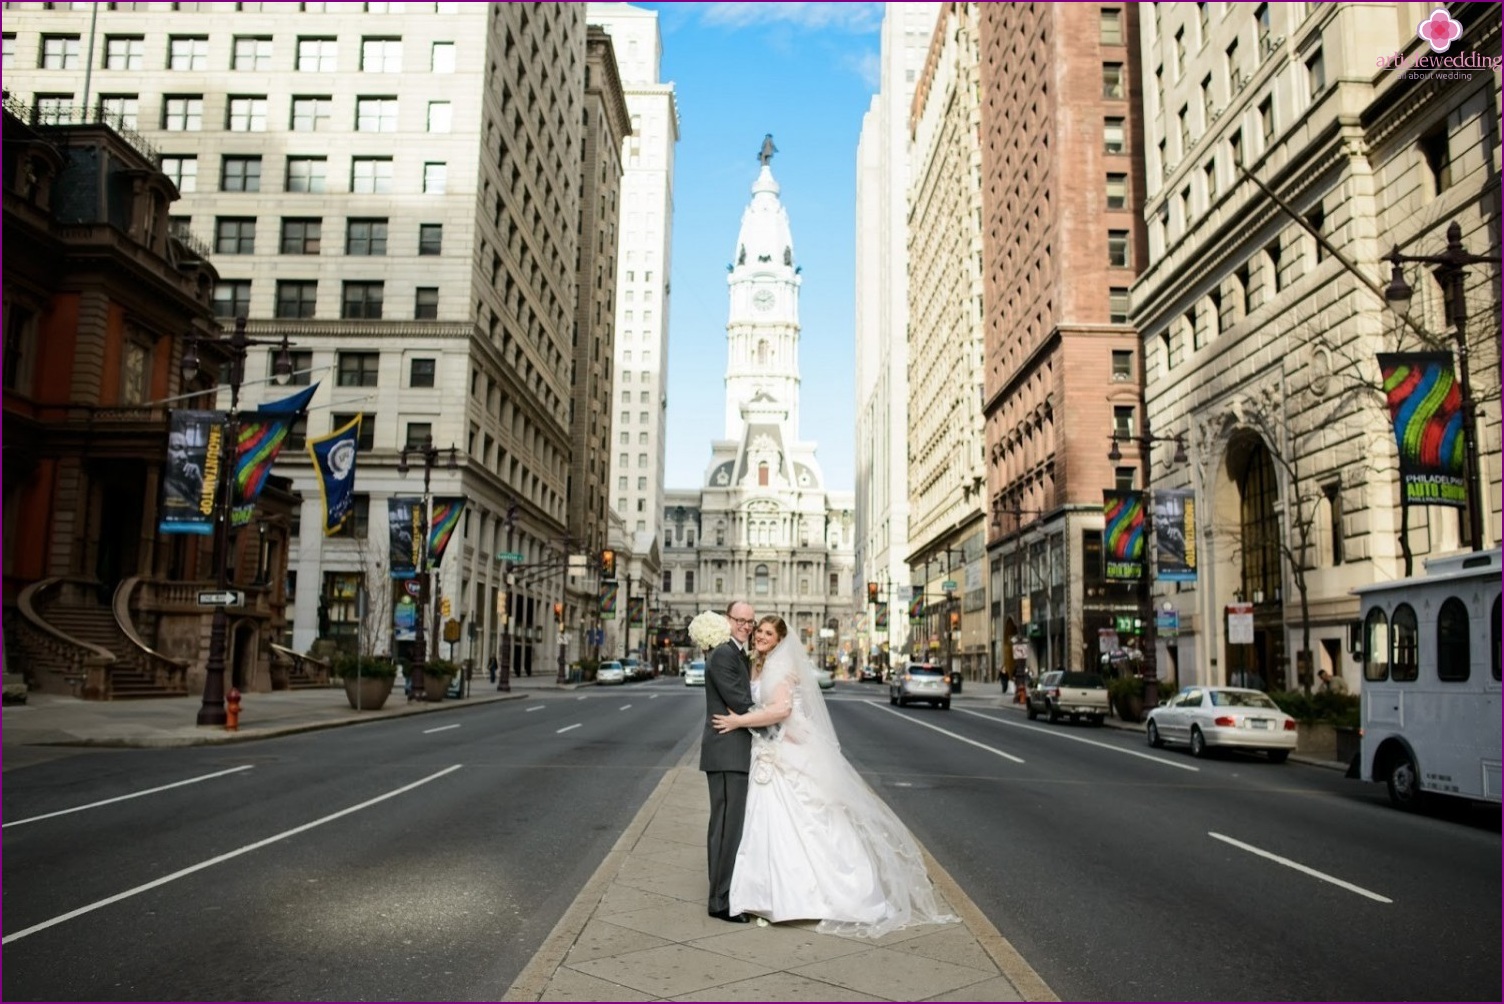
[[779, 628]]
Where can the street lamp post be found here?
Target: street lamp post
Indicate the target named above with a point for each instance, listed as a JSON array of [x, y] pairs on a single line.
[[1145, 441], [236, 344], [429, 455], [504, 667], [1450, 272]]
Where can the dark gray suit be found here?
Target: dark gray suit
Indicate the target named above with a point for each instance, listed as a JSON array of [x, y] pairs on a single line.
[[725, 759]]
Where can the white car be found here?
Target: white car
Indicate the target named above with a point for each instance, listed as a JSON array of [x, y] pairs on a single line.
[[694, 674], [824, 679], [1233, 717], [610, 672]]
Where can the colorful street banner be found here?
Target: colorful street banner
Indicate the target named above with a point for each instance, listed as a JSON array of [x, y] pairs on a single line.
[[880, 620], [334, 458], [607, 598], [1425, 405], [260, 439], [1175, 534], [637, 611], [1123, 534], [916, 608], [445, 517], [405, 526], [190, 477]]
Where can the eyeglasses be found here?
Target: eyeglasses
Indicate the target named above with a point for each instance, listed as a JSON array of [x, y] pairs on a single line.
[[743, 620]]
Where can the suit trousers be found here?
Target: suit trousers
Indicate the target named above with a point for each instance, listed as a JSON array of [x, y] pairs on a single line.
[[728, 807]]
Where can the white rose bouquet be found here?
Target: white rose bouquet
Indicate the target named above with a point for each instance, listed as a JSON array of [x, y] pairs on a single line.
[[709, 629]]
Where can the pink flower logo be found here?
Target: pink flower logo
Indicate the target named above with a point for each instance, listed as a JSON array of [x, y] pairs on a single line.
[[1440, 30]]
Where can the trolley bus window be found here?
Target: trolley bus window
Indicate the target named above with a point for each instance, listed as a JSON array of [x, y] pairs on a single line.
[[1376, 646], [1403, 629], [1495, 622], [1453, 655]]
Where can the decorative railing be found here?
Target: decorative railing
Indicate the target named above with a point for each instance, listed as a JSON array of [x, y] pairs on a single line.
[[83, 666], [170, 673]]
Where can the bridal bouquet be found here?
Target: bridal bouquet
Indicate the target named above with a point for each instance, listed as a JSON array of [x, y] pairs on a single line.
[[709, 629]]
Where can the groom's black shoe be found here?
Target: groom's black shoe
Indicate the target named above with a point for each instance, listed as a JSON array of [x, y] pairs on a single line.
[[735, 918]]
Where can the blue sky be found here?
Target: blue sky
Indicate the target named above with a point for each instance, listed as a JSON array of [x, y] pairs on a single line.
[[804, 72]]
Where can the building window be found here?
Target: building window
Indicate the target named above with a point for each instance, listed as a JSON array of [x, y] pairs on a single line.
[[440, 116], [183, 114], [381, 55], [430, 238], [188, 53], [306, 174], [234, 235], [833, 588], [1316, 219], [125, 52], [1117, 305], [760, 580], [689, 577], [301, 236], [1117, 191], [1272, 252], [54, 109], [1315, 73], [318, 55], [1117, 248], [1179, 53], [1435, 149], [1234, 68], [420, 373], [1122, 364], [296, 298], [60, 52], [361, 301], [1243, 285], [376, 114], [240, 174], [1262, 26], [1122, 421], [1184, 118], [1266, 120], [183, 171], [371, 175], [435, 178], [1125, 479], [419, 434], [426, 303], [366, 439], [311, 113], [251, 54], [1258, 489], [1112, 80], [1112, 26], [1114, 137], [232, 298], [119, 110], [443, 57], [357, 369], [1333, 495], [247, 114], [1235, 148], [1209, 174], [365, 237]]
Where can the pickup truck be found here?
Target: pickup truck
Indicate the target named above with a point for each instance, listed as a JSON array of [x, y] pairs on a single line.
[[1069, 692]]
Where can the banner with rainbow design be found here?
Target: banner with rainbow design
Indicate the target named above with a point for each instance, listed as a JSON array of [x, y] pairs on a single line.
[[1123, 535], [1425, 406], [444, 517]]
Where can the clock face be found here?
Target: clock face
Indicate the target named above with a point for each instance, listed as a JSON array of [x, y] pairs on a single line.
[[763, 299]]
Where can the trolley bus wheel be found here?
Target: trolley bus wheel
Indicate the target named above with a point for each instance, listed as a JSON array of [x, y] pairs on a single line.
[[1404, 783]]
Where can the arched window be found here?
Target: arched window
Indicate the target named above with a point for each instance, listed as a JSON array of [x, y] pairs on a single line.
[[760, 583], [1404, 633], [1376, 646], [1454, 652], [762, 474], [1258, 488], [762, 352]]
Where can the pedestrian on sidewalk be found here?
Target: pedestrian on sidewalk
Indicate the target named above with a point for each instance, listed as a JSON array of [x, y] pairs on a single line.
[[491, 668], [1332, 684], [725, 758]]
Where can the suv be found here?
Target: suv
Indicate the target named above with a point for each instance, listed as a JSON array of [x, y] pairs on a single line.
[[919, 681], [1068, 692]]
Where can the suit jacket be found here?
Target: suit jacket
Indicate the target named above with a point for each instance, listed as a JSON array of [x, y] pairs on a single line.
[[728, 687]]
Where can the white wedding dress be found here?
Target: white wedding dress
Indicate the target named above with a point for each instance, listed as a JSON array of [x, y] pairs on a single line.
[[817, 843]]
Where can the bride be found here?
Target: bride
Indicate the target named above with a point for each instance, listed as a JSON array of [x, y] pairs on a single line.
[[817, 842]]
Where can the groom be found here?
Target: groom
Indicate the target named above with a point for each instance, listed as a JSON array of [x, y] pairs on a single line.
[[725, 759]]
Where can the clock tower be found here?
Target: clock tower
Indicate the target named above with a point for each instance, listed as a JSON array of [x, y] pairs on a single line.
[[762, 331]]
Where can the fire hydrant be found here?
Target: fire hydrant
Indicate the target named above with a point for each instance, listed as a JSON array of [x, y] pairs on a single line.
[[232, 710]]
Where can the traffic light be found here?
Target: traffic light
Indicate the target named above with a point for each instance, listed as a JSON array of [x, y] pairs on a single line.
[[872, 592], [559, 613], [955, 619], [608, 564]]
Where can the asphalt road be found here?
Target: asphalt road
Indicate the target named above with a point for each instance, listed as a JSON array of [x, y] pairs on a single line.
[[428, 858], [1124, 873]]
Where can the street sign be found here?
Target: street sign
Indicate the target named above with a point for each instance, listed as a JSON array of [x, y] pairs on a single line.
[[446, 608], [508, 556], [451, 631], [1240, 623], [412, 586], [221, 598], [949, 585]]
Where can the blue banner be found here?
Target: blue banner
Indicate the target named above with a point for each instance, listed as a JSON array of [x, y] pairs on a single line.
[[334, 458], [190, 477], [405, 533]]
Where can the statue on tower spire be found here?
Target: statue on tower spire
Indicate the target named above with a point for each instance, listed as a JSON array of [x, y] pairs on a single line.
[[768, 149]]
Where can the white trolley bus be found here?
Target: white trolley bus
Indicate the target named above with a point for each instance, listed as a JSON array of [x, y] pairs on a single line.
[[1431, 710]]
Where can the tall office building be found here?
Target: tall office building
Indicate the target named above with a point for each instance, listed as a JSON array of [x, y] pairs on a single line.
[[397, 187], [882, 312]]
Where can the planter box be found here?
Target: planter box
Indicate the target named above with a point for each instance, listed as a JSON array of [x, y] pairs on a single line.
[[368, 693], [434, 687], [1317, 739]]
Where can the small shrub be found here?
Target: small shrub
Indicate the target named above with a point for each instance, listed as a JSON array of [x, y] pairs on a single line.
[[347, 666], [441, 667]]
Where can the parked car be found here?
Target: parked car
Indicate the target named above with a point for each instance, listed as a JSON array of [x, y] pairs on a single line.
[[870, 673], [1203, 717], [694, 674], [1069, 692], [919, 681], [610, 672], [636, 669], [824, 678]]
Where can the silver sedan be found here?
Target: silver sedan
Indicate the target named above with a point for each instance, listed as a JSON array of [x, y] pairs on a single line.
[[1233, 717]]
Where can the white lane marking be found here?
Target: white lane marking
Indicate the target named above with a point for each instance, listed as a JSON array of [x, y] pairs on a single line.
[[945, 732], [154, 883], [441, 728], [535, 707], [581, 698], [567, 728], [652, 697], [1300, 868], [122, 798], [624, 707], [1059, 734]]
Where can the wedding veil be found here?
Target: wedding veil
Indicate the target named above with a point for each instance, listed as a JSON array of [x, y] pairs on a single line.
[[788, 663]]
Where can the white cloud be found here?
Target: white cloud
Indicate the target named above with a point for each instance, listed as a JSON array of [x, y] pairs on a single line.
[[867, 66], [852, 17]]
